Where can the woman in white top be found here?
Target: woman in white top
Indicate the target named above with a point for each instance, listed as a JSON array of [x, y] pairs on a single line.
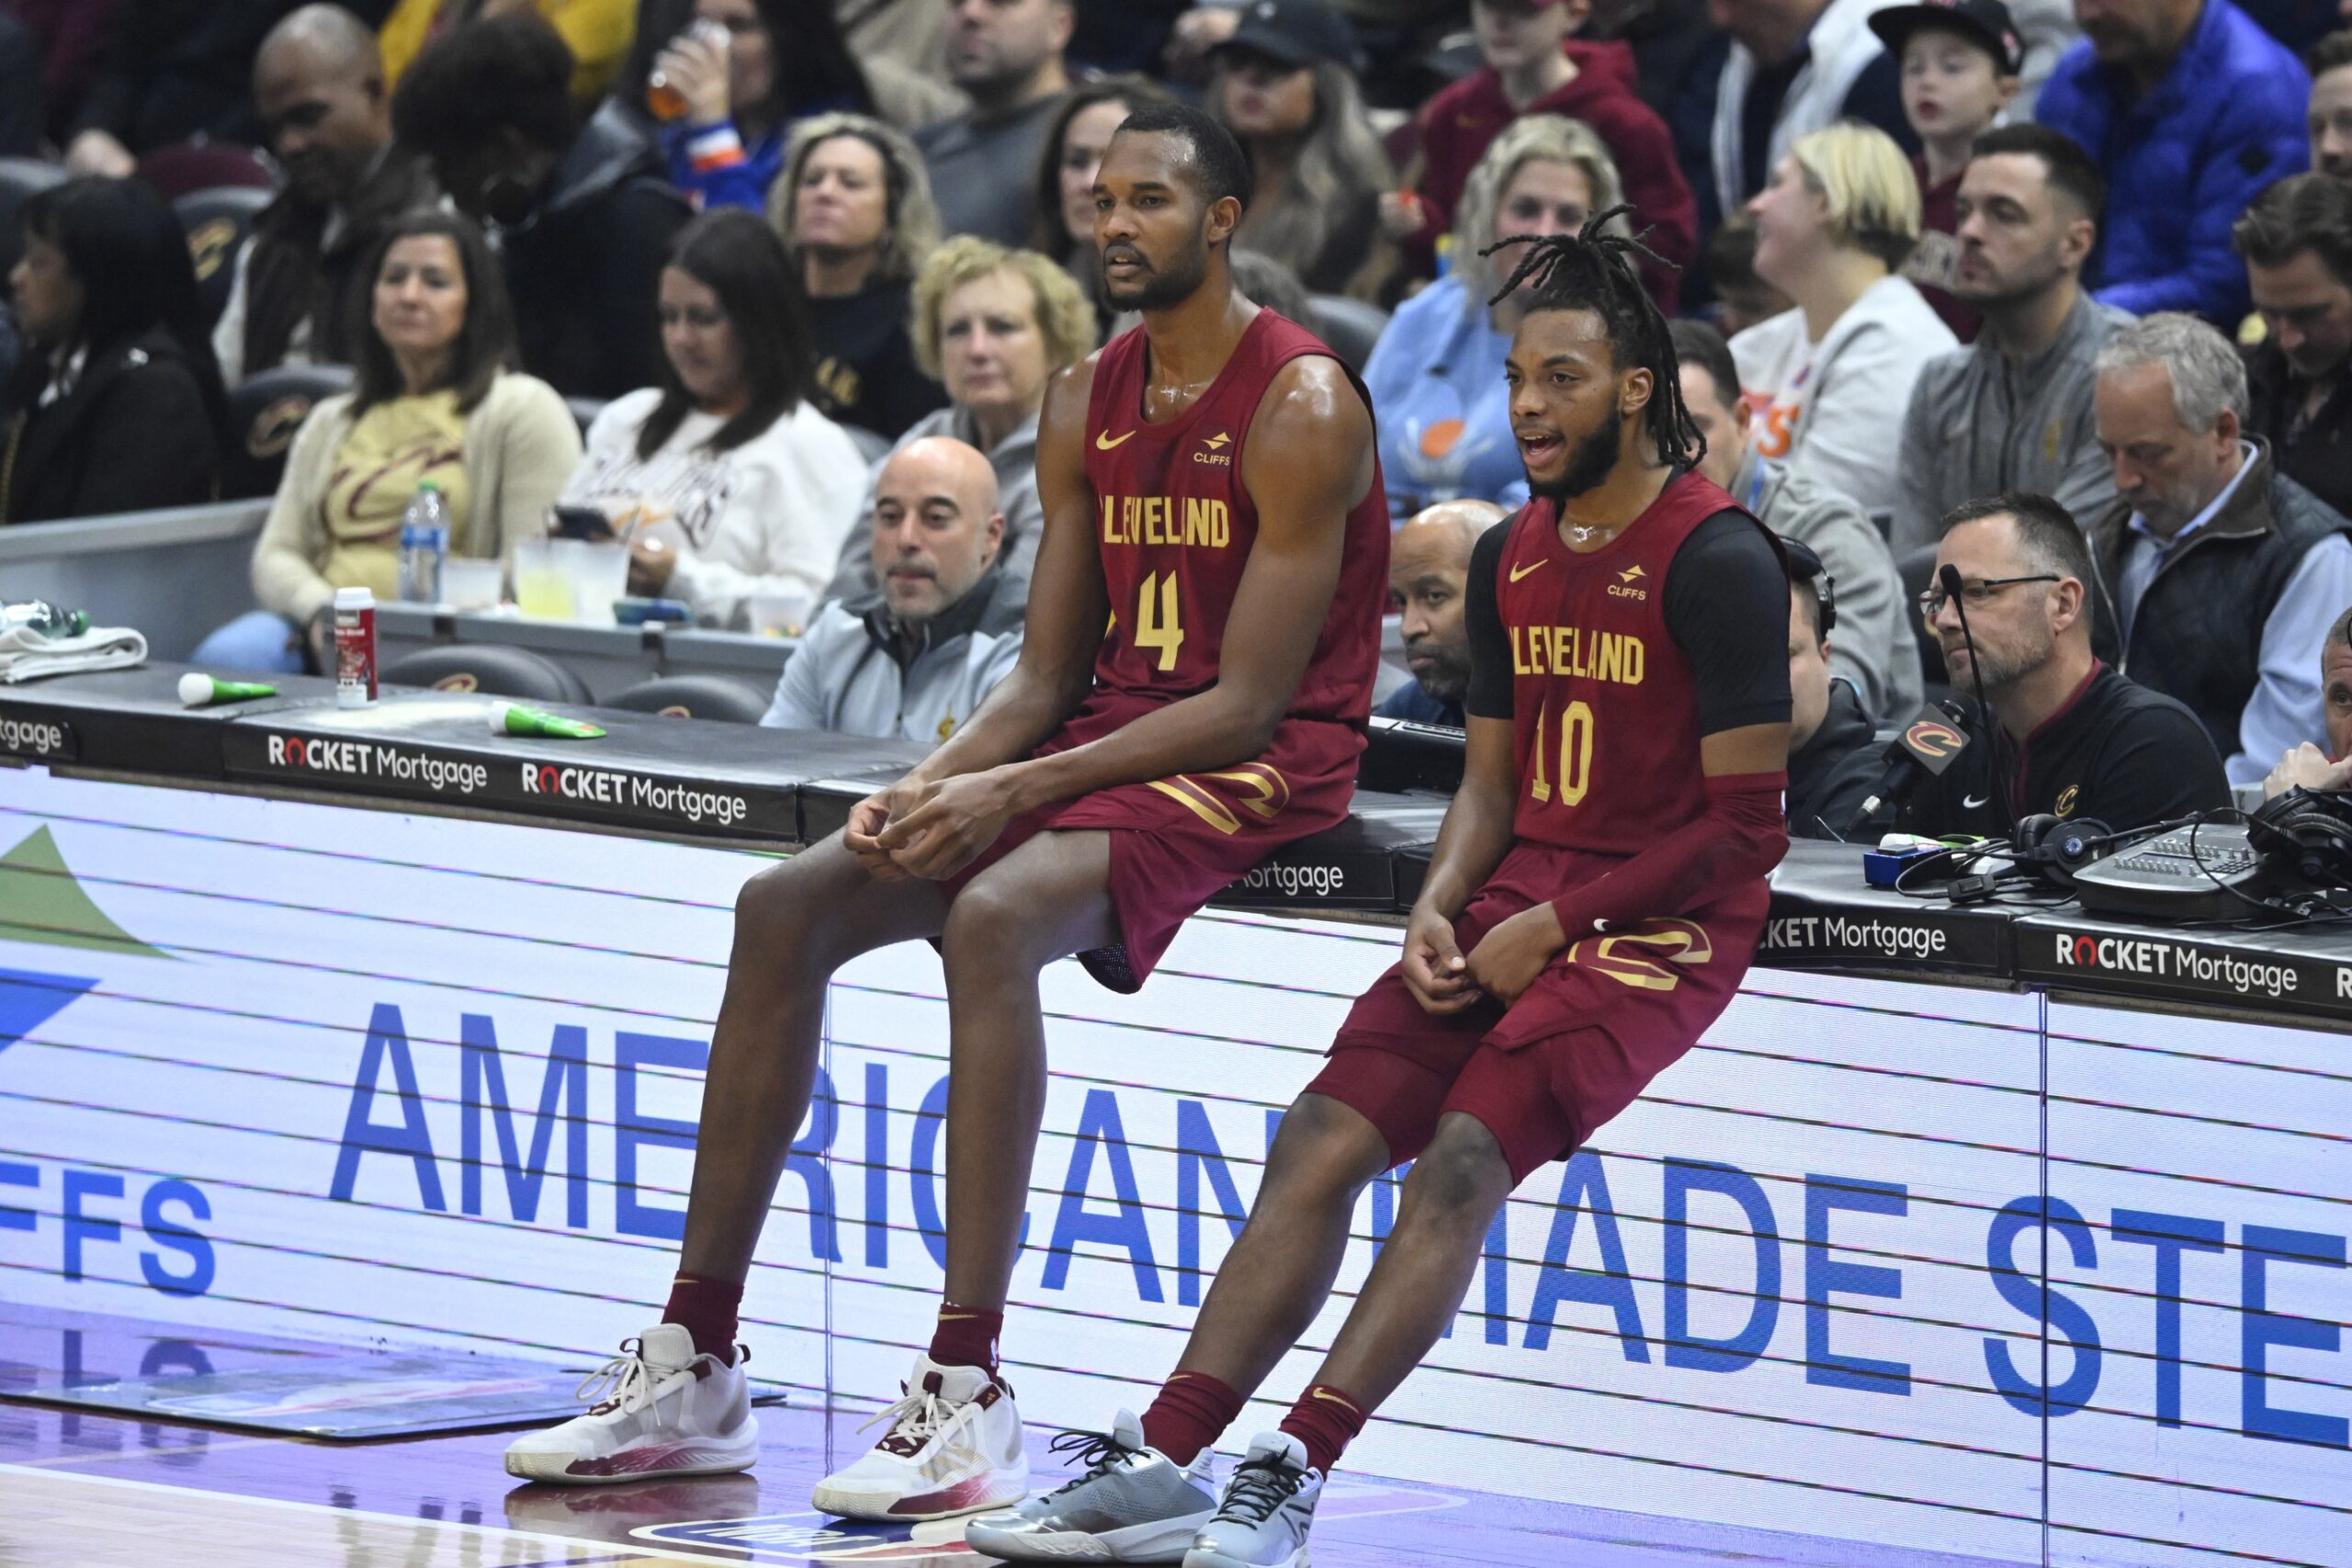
[[1830, 378], [739, 489]]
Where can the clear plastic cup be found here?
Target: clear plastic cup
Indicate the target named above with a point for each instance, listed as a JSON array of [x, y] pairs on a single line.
[[467, 584], [599, 575], [542, 585]]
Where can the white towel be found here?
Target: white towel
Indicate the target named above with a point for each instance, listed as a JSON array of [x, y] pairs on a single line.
[[26, 655]]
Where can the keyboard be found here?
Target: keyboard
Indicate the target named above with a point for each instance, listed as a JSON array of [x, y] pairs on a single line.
[[2163, 878]]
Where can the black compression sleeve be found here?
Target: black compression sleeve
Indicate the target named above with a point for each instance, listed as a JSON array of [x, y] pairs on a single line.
[[1489, 693], [1727, 610]]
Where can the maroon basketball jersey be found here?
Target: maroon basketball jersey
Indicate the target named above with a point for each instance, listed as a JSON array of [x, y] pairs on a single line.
[[1175, 525], [1604, 710]]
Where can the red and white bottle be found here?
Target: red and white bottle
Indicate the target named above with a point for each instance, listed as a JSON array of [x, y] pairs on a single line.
[[355, 648]]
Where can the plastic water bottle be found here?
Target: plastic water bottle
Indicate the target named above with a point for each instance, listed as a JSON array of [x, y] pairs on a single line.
[[424, 542], [41, 615]]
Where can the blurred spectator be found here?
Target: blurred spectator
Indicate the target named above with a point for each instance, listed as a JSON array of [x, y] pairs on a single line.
[[437, 399], [1429, 566], [993, 326], [735, 488], [1832, 753], [2068, 734], [1795, 67], [914, 660], [300, 286], [2218, 574], [1436, 375], [69, 38], [2189, 109], [910, 35], [598, 33], [1668, 38], [21, 109], [1960, 60], [1285, 86], [1830, 378], [1259, 277], [1878, 653], [1742, 299], [784, 61], [1007, 56], [2297, 242], [583, 213], [1061, 223], [2013, 411], [2307, 766], [856, 214], [896, 94], [1533, 67], [115, 405], [171, 70], [2329, 114]]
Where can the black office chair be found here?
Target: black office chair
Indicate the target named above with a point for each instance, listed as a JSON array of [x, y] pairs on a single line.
[[215, 223], [1350, 326], [491, 668], [20, 178], [720, 697], [265, 411]]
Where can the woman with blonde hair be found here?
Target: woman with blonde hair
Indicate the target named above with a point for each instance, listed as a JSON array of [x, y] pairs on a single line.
[[1831, 378], [992, 325], [854, 210], [1284, 87], [1437, 373]]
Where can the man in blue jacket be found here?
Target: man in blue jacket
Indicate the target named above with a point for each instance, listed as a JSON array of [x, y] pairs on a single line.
[[2189, 108]]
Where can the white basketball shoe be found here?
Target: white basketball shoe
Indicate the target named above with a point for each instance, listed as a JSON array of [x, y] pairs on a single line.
[[953, 1447], [658, 1409]]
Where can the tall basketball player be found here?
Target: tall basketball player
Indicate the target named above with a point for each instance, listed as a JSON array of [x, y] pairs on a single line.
[[1212, 499], [1596, 894]]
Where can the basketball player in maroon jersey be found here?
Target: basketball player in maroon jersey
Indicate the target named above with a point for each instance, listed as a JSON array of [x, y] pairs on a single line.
[[1596, 891], [1212, 498]]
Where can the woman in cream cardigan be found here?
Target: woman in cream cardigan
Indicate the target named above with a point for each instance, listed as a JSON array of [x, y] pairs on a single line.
[[438, 402]]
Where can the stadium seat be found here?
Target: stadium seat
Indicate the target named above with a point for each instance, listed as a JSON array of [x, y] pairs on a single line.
[[20, 179], [215, 223], [720, 697], [1350, 326], [488, 667], [265, 411]]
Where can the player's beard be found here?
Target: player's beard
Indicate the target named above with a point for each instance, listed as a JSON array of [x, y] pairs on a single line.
[[1589, 464], [1163, 285]]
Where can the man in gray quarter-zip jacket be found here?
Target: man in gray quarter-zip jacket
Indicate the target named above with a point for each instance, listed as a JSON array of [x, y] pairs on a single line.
[[2013, 410], [913, 662]]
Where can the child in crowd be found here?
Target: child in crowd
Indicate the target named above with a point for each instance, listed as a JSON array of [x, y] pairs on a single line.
[[1961, 60]]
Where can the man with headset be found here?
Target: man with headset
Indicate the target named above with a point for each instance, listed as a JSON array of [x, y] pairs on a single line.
[[2070, 736], [1832, 760]]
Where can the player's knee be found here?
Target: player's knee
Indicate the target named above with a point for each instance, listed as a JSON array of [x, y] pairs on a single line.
[[990, 931], [1326, 1146], [773, 912], [1462, 1173]]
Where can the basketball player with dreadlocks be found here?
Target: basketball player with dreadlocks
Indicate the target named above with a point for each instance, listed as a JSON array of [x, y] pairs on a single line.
[[1596, 894]]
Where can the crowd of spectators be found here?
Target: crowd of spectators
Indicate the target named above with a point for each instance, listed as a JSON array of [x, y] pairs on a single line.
[[2056, 294]]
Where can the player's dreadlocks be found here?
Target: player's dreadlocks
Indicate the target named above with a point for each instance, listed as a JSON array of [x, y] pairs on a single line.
[[1593, 269]]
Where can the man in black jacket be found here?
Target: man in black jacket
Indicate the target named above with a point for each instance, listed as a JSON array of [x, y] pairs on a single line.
[[582, 218], [1832, 762], [2296, 240]]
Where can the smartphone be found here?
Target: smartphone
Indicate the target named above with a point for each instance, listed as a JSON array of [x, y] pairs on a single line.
[[582, 522]]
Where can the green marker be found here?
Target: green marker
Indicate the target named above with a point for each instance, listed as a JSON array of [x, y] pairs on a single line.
[[200, 690], [512, 718]]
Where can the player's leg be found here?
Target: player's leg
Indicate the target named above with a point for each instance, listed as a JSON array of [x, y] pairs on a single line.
[[676, 1403], [954, 1443]]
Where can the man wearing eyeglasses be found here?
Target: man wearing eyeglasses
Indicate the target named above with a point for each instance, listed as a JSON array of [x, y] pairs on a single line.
[[2068, 734]]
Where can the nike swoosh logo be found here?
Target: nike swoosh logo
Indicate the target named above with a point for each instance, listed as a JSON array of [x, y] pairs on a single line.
[[1103, 440], [1970, 801], [1519, 572]]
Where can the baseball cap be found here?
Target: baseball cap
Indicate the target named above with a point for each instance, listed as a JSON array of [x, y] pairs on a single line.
[[1986, 21], [1294, 33]]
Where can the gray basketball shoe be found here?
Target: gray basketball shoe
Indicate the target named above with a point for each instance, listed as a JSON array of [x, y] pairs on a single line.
[[1268, 1508], [1133, 1505]]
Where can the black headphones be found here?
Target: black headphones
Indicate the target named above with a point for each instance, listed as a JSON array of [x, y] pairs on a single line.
[[2057, 846], [2311, 830], [1805, 567]]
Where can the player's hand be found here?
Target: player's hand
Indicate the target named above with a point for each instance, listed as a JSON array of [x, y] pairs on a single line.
[[1509, 958], [1434, 969], [862, 837], [2306, 767], [948, 823]]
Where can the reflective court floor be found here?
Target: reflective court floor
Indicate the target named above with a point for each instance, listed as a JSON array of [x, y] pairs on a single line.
[[96, 1491]]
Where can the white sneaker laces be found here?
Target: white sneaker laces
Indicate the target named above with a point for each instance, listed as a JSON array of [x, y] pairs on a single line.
[[921, 1415], [624, 1380]]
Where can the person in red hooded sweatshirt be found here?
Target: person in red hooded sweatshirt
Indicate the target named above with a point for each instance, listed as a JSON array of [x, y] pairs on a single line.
[[1533, 66]]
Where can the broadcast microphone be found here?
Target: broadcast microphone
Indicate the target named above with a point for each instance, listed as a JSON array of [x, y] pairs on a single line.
[[1924, 749], [1947, 579]]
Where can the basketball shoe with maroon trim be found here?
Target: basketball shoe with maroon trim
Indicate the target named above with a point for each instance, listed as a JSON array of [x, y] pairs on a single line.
[[953, 1447], [659, 1410]]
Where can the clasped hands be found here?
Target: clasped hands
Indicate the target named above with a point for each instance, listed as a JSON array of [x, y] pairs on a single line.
[[1502, 965], [929, 828]]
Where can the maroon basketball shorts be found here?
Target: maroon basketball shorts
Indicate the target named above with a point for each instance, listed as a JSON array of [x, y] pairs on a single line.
[[1178, 841], [1607, 1015]]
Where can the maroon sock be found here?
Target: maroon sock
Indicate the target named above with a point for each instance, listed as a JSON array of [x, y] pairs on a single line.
[[1325, 1419], [965, 1337], [704, 1308], [1192, 1410]]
